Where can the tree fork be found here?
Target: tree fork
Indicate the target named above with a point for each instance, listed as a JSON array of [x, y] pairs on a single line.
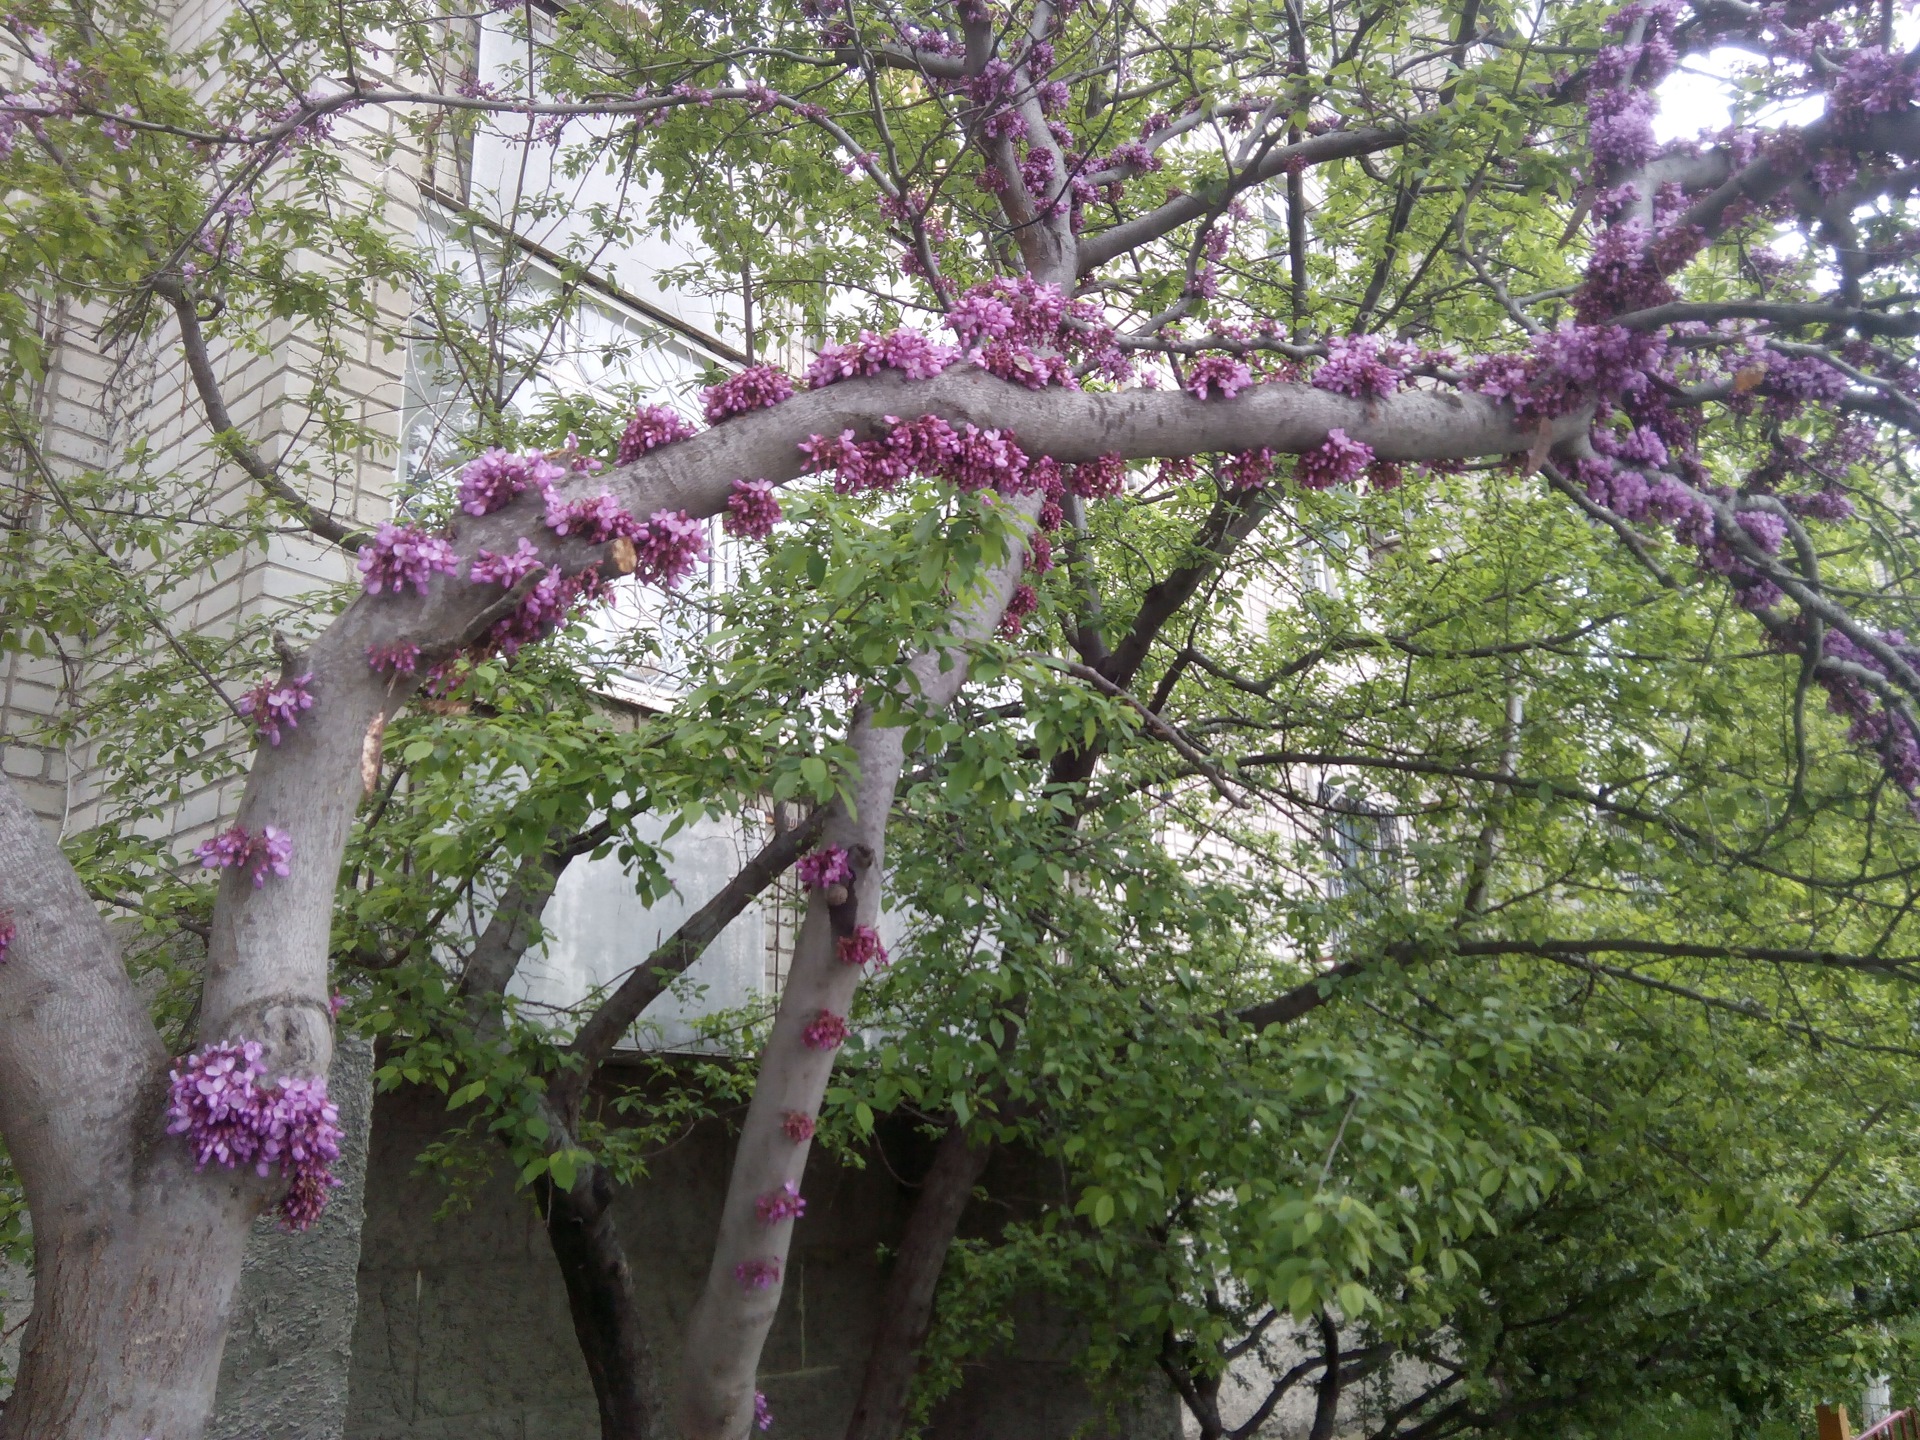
[[601, 1301]]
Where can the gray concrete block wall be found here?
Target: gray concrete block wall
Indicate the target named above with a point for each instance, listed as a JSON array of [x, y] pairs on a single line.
[[464, 1332], [290, 1340]]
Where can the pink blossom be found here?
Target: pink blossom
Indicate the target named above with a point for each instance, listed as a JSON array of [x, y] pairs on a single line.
[[826, 866], [758, 387], [758, 1274], [237, 848], [492, 478], [762, 1415], [1098, 479], [596, 520], [826, 1031], [1871, 82], [907, 351], [651, 427], [505, 570], [786, 1203], [399, 658], [752, 512], [401, 555], [232, 1115], [1247, 469], [797, 1125], [1022, 603], [1335, 461], [1570, 367], [273, 703], [540, 610], [1620, 128], [986, 459], [862, 947], [1039, 554], [1221, 375], [1358, 365], [1023, 365], [669, 546]]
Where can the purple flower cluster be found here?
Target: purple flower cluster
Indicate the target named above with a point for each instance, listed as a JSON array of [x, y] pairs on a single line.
[[1218, 375], [237, 848], [1130, 155], [651, 427], [1620, 128], [752, 512], [1023, 365], [762, 1416], [797, 1126], [403, 555], [1247, 469], [1039, 554], [907, 351], [232, 1115], [505, 570], [1628, 269], [1021, 310], [1569, 367], [1101, 478], [273, 703], [401, 659], [760, 1273], [492, 478], [1870, 83], [969, 458], [862, 947], [985, 460], [758, 387], [1336, 461], [786, 1203], [826, 866], [1795, 380], [542, 608], [1360, 366], [595, 520], [1872, 724], [668, 547], [1021, 604], [826, 1031]]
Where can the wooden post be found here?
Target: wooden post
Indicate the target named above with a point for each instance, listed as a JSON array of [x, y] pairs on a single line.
[[1832, 1422]]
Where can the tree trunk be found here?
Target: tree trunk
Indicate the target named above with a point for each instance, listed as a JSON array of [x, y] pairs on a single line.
[[606, 1319], [1326, 1402], [906, 1311], [130, 1307], [136, 1255]]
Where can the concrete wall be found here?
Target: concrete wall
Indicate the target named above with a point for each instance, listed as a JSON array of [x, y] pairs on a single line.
[[464, 1333], [290, 1339]]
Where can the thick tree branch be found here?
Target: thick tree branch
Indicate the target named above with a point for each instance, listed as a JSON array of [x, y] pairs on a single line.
[[206, 384], [1097, 249], [616, 1014]]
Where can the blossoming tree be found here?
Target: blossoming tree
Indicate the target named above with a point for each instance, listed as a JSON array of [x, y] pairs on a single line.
[[1209, 259]]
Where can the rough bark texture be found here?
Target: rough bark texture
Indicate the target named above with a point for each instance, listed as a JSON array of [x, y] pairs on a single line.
[[606, 1319], [136, 1256], [906, 1310], [731, 1320]]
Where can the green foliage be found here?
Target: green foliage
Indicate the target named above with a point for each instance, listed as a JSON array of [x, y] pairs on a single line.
[[1590, 1188]]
